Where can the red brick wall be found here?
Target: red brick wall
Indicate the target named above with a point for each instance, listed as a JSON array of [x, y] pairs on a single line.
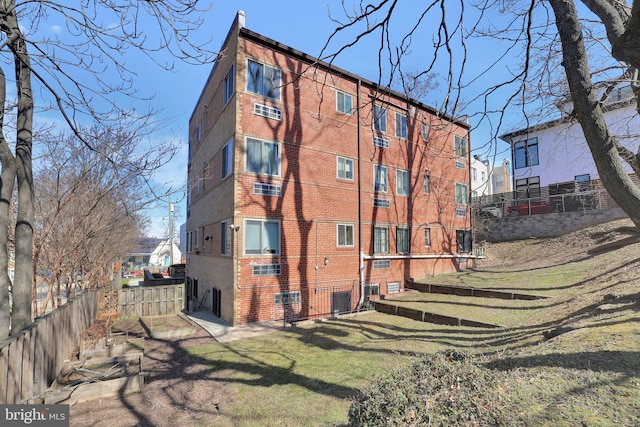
[[314, 201]]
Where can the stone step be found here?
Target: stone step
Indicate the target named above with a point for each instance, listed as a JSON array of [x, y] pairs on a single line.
[[468, 291], [389, 307]]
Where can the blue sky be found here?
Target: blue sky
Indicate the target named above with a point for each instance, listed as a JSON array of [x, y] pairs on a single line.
[[305, 26]]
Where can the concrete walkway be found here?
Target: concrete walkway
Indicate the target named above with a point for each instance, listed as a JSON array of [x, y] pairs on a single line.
[[222, 331]]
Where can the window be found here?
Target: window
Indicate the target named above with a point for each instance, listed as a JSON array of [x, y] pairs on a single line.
[[463, 241], [198, 133], [393, 287], [461, 194], [425, 132], [427, 237], [196, 186], [583, 181], [380, 142], [379, 118], [483, 176], [262, 237], [527, 188], [380, 240], [194, 238], [229, 84], [345, 235], [460, 165], [371, 289], [379, 202], [344, 103], [460, 146], [267, 270], [525, 153], [403, 240], [267, 189], [380, 178], [474, 174], [263, 80], [402, 182], [381, 264], [267, 111], [263, 157], [287, 298], [227, 159], [226, 234], [344, 168], [426, 182], [401, 125]]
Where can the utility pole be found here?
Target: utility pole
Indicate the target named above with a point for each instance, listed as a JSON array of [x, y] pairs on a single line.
[[170, 232]]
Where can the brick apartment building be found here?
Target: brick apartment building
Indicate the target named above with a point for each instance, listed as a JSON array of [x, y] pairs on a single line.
[[313, 190]]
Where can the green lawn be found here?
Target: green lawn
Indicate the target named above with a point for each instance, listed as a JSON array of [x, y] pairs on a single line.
[[306, 375]]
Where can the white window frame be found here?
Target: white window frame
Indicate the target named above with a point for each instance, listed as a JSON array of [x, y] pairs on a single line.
[[426, 184], [460, 146], [403, 239], [401, 125], [229, 84], [287, 297], [227, 159], [264, 250], [385, 244], [226, 238], [402, 180], [377, 172], [425, 132], [345, 235], [379, 118], [262, 142], [261, 90], [344, 109], [427, 237], [341, 167], [462, 194]]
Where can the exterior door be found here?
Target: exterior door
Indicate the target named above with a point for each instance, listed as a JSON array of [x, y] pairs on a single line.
[[340, 302], [216, 294]]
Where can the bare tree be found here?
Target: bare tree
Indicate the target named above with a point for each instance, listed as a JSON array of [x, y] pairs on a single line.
[[83, 74], [87, 208], [548, 39]]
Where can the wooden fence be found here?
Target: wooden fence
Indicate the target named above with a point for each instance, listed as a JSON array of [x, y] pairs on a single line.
[[151, 300], [31, 359]]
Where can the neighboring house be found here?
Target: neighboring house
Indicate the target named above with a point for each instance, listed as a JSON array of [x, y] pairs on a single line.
[[313, 190], [556, 152], [152, 252], [165, 254], [481, 172], [141, 255], [502, 178]]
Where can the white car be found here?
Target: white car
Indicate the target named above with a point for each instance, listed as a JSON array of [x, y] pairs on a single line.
[[490, 211]]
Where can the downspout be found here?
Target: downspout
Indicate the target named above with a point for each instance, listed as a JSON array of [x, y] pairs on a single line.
[[361, 268]]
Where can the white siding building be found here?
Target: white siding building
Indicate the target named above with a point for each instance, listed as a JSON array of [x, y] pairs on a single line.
[[556, 151]]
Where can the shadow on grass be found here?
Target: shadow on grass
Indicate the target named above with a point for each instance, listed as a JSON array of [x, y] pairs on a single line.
[[623, 362]]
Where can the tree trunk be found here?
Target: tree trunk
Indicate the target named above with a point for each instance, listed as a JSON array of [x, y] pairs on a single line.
[[627, 47], [589, 112], [7, 181], [22, 287]]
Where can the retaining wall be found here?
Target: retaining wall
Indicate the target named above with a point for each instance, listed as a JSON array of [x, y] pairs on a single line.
[[545, 225]]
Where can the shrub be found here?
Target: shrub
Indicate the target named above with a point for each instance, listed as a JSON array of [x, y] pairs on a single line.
[[444, 389]]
